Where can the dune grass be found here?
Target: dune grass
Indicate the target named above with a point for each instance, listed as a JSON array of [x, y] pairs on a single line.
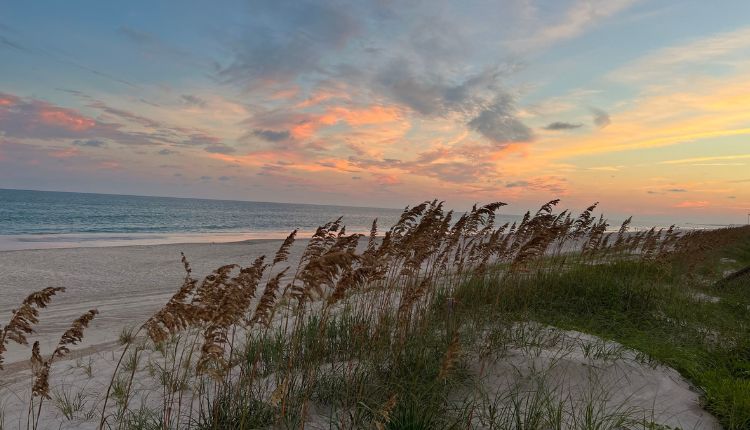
[[387, 332]]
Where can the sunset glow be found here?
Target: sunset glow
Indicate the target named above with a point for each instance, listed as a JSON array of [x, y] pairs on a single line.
[[643, 106]]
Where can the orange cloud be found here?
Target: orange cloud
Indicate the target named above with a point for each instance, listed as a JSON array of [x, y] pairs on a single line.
[[367, 116], [322, 96], [285, 93], [306, 125], [387, 180], [708, 108], [700, 159], [691, 204]]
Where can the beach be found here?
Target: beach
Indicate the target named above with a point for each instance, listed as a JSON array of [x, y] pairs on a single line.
[[127, 284], [510, 348]]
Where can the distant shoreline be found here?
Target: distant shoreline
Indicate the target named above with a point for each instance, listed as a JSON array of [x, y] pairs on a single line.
[[28, 242]]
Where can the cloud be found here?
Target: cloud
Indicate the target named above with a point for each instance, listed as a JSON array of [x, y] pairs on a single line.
[[700, 159], [692, 204], [439, 94], [14, 45], [273, 125], [677, 190], [224, 178], [285, 38], [205, 178], [54, 164], [167, 152], [90, 143], [443, 164], [557, 126], [154, 46], [272, 135], [718, 164], [36, 119], [210, 144], [669, 62], [200, 139], [580, 17], [498, 124], [192, 100], [386, 180], [126, 115], [601, 118], [426, 98], [161, 131], [219, 149], [550, 184], [457, 172], [326, 48]]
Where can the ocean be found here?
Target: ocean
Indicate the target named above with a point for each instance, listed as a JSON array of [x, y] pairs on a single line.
[[50, 219], [46, 219]]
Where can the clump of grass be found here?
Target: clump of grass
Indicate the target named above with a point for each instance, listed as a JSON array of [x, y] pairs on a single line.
[[70, 403], [127, 335]]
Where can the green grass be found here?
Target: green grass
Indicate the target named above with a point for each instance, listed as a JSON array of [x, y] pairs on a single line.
[[649, 308], [348, 365], [646, 306]]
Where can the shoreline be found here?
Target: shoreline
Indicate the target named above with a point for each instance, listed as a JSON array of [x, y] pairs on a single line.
[[32, 242], [42, 241]]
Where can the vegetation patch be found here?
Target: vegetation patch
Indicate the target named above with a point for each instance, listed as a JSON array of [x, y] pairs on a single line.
[[403, 330]]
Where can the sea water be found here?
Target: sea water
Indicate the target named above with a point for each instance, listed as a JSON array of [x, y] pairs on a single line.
[[45, 219]]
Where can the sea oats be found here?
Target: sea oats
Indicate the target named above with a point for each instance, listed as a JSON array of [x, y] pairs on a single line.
[[25, 317], [267, 300], [283, 253]]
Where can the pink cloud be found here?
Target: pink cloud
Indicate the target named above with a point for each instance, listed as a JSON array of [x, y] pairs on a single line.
[[387, 180], [305, 125], [27, 118], [8, 100], [65, 118], [285, 93], [367, 115], [108, 165], [322, 96], [64, 153], [36, 119]]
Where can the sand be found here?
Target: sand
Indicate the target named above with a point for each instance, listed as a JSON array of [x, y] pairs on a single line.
[[127, 284], [581, 371]]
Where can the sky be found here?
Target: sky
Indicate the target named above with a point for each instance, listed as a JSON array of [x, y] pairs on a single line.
[[643, 106]]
